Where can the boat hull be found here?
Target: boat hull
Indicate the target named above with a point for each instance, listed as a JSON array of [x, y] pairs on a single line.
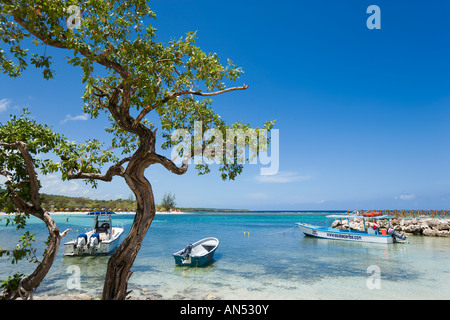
[[345, 235], [194, 261]]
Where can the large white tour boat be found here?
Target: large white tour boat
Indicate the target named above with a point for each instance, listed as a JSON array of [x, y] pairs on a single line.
[[369, 234]]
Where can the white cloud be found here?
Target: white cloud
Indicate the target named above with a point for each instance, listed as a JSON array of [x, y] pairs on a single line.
[[406, 196], [81, 117], [282, 177], [52, 184], [4, 103]]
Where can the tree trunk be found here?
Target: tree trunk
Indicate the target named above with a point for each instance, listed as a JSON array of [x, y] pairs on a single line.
[[120, 263]]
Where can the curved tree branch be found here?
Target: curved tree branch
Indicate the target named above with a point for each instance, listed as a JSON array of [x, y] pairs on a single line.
[[21, 204], [23, 148], [34, 184], [115, 170], [146, 110], [170, 165]]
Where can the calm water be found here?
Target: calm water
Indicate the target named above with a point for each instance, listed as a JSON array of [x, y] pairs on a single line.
[[260, 256]]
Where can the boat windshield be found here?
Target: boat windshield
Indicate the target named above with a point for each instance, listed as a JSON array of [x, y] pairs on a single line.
[[102, 223]]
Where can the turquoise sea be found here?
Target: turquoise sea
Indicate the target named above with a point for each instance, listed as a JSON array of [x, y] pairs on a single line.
[[262, 255]]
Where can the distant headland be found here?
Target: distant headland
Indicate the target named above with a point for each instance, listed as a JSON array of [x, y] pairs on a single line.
[[58, 203]]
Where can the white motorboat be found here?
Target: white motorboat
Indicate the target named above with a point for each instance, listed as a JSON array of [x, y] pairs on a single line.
[[102, 239]]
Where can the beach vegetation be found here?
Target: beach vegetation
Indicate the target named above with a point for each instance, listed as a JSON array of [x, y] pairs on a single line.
[[139, 84], [168, 202], [61, 203]]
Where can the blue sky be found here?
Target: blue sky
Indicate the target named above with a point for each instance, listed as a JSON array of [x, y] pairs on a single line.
[[363, 114]]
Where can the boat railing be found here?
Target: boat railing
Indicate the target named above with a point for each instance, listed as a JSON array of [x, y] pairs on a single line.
[[323, 223]]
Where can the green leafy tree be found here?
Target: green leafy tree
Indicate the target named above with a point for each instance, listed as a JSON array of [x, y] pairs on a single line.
[[129, 76], [21, 141], [168, 201]]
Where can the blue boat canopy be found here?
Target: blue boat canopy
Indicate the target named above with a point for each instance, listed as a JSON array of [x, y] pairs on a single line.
[[100, 212]]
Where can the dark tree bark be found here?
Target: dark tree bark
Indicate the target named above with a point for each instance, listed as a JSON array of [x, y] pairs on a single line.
[[120, 263]]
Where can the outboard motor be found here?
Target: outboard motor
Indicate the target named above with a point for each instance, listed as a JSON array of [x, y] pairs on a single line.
[[395, 235], [81, 240], [81, 244], [93, 242], [187, 251]]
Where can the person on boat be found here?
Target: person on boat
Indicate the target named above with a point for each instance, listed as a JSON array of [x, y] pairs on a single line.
[[375, 225]]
